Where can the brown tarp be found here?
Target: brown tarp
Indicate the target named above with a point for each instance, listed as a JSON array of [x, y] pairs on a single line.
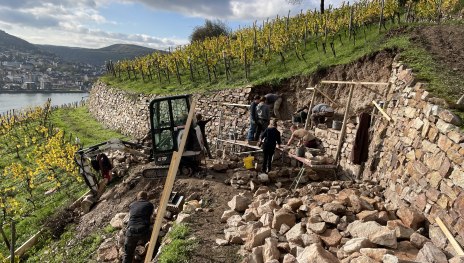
[[360, 151]]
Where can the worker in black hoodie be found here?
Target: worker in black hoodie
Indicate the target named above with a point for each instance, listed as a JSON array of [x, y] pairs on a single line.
[[269, 139]]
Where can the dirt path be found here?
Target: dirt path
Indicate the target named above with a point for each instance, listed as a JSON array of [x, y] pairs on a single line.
[[206, 226]]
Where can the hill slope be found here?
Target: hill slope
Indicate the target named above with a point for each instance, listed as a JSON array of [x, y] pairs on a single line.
[[8, 42], [97, 56]]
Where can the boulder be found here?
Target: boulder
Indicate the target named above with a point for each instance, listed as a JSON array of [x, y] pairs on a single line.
[[317, 228], [221, 242], [257, 237], [294, 234], [310, 238], [293, 204], [355, 244], [283, 216], [375, 253], [316, 253], [270, 250], [429, 253], [335, 208], [250, 215], [384, 237], [256, 255], [457, 259], [183, 218], [263, 178], [235, 220], [418, 240], [227, 214], [367, 215], [401, 230], [108, 251], [220, 167], [266, 219], [410, 217], [289, 258], [268, 207], [329, 217], [239, 203], [331, 237], [363, 259], [118, 220]]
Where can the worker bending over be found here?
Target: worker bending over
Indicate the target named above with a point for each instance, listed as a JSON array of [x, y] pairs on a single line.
[[138, 227], [305, 137], [320, 113]]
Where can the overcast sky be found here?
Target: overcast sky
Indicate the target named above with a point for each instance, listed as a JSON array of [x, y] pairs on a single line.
[[152, 23]]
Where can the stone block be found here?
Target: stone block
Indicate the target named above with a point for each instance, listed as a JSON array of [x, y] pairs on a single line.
[[433, 133], [457, 176], [410, 112], [444, 143], [435, 161], [444, 127], [456, 136], [449, 117]]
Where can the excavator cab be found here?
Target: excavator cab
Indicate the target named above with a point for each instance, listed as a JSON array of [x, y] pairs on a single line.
[[167, 116]]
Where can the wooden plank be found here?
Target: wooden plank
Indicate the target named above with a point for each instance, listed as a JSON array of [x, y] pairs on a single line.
[[382, 111], [345, 118], [241, 143], [310, 164], [27, 245], [236, 104], [173, 167], [325, 95], [353, 82], [450, 237]]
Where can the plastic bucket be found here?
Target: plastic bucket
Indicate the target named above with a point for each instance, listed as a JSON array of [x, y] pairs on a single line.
[[300, 151], [337, 125], [248, 162]]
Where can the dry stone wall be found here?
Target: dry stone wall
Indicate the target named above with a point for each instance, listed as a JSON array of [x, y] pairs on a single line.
[[419, 157], [128, 113]]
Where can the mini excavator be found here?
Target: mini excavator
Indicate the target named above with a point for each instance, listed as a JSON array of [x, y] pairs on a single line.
[[168, 115]]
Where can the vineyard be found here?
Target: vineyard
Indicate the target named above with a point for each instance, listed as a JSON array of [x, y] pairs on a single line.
[[37, 173], [255, 48]]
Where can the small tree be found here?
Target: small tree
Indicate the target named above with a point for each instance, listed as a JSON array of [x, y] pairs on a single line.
[[209, 29]]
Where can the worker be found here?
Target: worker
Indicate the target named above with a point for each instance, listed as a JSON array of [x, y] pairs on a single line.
[[102, 164], [262, 111], [138, 227], [301, 115], [305, 137], [253, 119], [269, 139], [274, 101], [193, 148], [202, 124], [320, 113]]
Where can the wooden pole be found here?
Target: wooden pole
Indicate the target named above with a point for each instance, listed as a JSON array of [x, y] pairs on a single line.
[[173, 167], [450, 237], [353, 82], [13, 241], [311, 103], [218, 136], [324, 94], [345, 117], [382, 111]]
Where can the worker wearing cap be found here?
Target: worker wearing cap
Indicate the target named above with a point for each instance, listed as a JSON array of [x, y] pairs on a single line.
[[320, 113]]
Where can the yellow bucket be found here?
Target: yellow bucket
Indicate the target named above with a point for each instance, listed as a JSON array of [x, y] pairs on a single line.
[[248, 162]]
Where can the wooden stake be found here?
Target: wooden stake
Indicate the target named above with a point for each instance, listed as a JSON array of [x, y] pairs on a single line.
[[311, 103], [450, 237], [382, 111], [173, 167], [345, 117], [324, 94], [353, 82]]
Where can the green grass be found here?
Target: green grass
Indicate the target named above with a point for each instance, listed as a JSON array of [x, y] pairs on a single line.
[[67, 249], [81, 124], [179, 247]]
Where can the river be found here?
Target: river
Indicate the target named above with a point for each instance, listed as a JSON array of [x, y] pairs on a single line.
[[9, 101]]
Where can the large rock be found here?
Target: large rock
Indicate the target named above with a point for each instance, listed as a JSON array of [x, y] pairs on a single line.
[[363, 259], [266, 219], [331, 237], [257, 237], [410, 217], [363, 229], [256, 255], [220, 167], [317, 228], [358, 204], [270, 251], [227, 214], [335, 208], [293, 204], [294, 234], [108, 251], [235, 220], [283, 216], [457, 259], [355, 244], [239, 203], [384, 237], [330, 217], [310, 238], [118, 220], [368, 215], [316, 254], [375, 253], [401, 230], [289, 258], [431, 254], [268, 207], [418, 240]]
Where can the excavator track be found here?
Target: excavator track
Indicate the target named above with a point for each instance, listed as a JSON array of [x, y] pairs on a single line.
[[155, 172]]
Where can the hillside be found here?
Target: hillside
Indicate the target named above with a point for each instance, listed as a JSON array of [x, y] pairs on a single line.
[[97, 56], [8, 42]]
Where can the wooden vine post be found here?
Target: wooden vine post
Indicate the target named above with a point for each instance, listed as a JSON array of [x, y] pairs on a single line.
[[13, 241], [345, 118], [381, 22]]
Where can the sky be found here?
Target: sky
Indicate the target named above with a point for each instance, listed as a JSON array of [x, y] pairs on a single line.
[[156, 24]]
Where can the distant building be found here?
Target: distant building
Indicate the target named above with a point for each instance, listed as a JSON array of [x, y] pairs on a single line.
[[29, 85], [45, 85]]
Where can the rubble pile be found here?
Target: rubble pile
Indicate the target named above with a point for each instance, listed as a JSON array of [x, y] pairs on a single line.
[[327, 222]]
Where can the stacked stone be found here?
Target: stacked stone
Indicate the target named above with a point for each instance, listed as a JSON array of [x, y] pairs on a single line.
[[420, 157], [326, 222]]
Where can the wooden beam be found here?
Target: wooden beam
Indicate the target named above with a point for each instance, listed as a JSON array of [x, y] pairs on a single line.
[[27, 245], [173, 167], [382, 111], [353, 82], [345, 118], [325, 95], [311, 103], [236, 105], [450, 237]]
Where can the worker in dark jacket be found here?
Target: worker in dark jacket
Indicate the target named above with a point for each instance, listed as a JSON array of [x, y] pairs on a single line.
[[270, 138], [138, 227], [264, 115], [253, 119], [274, 100], [202, 124]]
